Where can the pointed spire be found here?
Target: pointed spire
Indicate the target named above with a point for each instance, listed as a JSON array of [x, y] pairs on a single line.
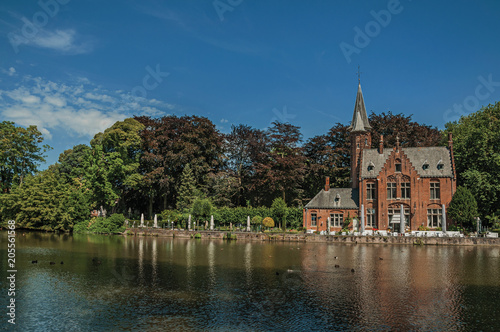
[[359, 118]]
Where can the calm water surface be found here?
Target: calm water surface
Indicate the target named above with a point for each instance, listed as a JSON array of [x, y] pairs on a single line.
[[114, 283]]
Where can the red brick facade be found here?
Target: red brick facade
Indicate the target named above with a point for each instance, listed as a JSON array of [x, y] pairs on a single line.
[[421, 180]]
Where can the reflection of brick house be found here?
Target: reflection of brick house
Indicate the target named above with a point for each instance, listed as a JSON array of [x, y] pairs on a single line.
[[421, 180]]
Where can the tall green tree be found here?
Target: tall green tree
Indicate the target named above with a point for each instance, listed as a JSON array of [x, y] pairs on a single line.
[[280, 211], [463, 208], [72, 162], [476, 147], [187, 189], [21, 153]]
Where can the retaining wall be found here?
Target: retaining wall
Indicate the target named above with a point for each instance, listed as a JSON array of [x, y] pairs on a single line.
[[461, 241]]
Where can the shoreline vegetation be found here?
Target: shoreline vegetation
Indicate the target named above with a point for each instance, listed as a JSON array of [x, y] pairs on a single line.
[[176, 167]]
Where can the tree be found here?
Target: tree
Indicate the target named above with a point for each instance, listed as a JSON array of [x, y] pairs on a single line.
[[476, 149], [72, 162], [20, 153], [243, 145], [47, 202], [268, 222], [119, 150], [327, 155], [463, 208], [168, 144], [281, 168], [280, 211], [202, 209], [187, 189], [410, 133]]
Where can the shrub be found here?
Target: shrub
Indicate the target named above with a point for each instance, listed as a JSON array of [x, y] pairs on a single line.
[[268, 222], [100, 225]]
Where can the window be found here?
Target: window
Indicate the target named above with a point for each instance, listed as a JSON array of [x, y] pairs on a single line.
[[391, 190], [370, 191], [392, 212], [440, 166], [435, 194], [336, 219], [370, 168], [370, 217], [425, 166], [405, 190], [398, 167], [434, 217], [314, 218], [366, 141]]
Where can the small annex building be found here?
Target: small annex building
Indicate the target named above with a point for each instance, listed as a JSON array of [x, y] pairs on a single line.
[[386, 184]]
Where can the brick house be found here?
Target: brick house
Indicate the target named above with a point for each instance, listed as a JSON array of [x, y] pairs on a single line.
[[417, 182]]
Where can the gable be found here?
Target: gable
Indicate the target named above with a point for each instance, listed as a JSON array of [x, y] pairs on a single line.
[[432, 156]]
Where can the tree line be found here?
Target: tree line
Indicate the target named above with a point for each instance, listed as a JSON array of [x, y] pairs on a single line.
[[149, 165]]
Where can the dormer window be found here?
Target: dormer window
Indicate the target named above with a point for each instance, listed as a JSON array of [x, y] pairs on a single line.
[[371, 166], [337, 199], [440, 165], [398, 165], [425, 165]]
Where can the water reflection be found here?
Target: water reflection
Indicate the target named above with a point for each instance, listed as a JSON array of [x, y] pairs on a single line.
[[147, 282]]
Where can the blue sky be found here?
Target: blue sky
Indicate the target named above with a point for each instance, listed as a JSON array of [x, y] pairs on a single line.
[[74, 67]]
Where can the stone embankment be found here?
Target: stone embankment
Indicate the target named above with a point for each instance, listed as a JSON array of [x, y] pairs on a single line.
[[301, 237]]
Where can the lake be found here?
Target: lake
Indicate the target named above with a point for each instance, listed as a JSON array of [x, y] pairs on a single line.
[[112, 283]]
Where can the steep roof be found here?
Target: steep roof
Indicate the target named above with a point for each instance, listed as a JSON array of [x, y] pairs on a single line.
[[432, 156], [359, 118], [335, 198]]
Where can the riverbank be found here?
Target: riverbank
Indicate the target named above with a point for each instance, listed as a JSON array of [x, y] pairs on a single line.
[[301, 237]]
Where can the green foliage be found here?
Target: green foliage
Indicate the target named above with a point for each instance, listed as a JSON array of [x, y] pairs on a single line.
[[463, 208], [20, 153], [202, 209], [268, 222], [100, 225], [279, 211], [256, 220], [46, 201], [477, 157], [187, 189]]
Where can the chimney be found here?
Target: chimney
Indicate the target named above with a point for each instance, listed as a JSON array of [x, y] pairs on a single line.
[[381, 145], [327, 184], [450, 140]]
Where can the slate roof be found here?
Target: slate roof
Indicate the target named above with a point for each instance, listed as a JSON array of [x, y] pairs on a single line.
[[417, 156], [359, 118], [348, 199]]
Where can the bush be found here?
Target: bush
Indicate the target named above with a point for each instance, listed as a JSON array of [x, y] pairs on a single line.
[[100, 225], [268, 222]]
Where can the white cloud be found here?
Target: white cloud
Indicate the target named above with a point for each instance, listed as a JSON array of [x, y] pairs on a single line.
[[224, 121], [12, 71], [65, 41], [77, 109]]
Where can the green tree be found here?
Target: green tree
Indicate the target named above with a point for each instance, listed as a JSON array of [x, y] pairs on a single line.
[[20, 153], [463, 208], [116, 152], [47, 202], [476, 149], [72, 162], [280, 211], [202, 209], [187, 189]]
